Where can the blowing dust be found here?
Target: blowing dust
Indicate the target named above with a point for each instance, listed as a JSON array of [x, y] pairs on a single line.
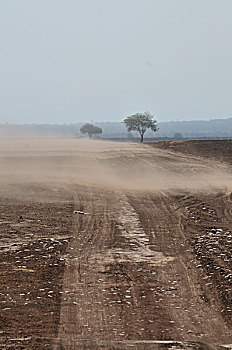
[[113, 165]]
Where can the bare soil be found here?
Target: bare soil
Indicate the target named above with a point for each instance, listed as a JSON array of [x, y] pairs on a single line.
[[147, 267], [216, 149]]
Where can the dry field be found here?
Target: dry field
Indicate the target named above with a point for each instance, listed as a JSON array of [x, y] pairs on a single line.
[[148, 266]]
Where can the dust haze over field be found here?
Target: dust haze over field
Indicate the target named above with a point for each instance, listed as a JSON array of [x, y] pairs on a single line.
[[62, 161], [149, 263]]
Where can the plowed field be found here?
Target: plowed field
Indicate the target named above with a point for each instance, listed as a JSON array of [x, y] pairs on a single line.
[[145, 263]]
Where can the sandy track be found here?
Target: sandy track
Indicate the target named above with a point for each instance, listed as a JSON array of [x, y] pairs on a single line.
[[132, 272], [132, 279]]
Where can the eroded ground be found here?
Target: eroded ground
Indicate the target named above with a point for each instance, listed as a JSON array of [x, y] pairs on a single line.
[[149, 264]]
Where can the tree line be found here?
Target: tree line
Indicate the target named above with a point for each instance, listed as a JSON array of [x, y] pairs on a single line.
[[139, 122]]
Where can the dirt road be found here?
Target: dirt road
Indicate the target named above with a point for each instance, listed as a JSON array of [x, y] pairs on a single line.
[[149, 263]]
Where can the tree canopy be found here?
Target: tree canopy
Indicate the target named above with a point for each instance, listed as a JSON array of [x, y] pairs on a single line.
[[90, 129], [141, 122]]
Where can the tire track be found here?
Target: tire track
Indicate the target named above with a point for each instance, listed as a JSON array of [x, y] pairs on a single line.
[[193, 318]]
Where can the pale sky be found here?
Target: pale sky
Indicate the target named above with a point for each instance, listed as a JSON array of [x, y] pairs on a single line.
[[64, 61]]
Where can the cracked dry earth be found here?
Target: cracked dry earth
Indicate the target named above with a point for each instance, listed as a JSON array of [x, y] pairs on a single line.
[[147, 267]]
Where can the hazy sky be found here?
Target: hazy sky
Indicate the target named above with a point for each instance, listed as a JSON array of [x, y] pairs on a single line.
[[70, 60]]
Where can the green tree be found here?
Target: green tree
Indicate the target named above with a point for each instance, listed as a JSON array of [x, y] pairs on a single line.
[[90, 129], [141, 122]]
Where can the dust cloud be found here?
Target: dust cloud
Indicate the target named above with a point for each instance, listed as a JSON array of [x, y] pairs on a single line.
[[128, 166]]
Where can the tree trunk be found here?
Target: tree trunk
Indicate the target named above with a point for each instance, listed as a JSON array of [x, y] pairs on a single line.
[[141, 137]]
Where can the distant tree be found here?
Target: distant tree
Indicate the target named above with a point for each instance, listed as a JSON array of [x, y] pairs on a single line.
[[141, 122], [90, 129], [178, 135]]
